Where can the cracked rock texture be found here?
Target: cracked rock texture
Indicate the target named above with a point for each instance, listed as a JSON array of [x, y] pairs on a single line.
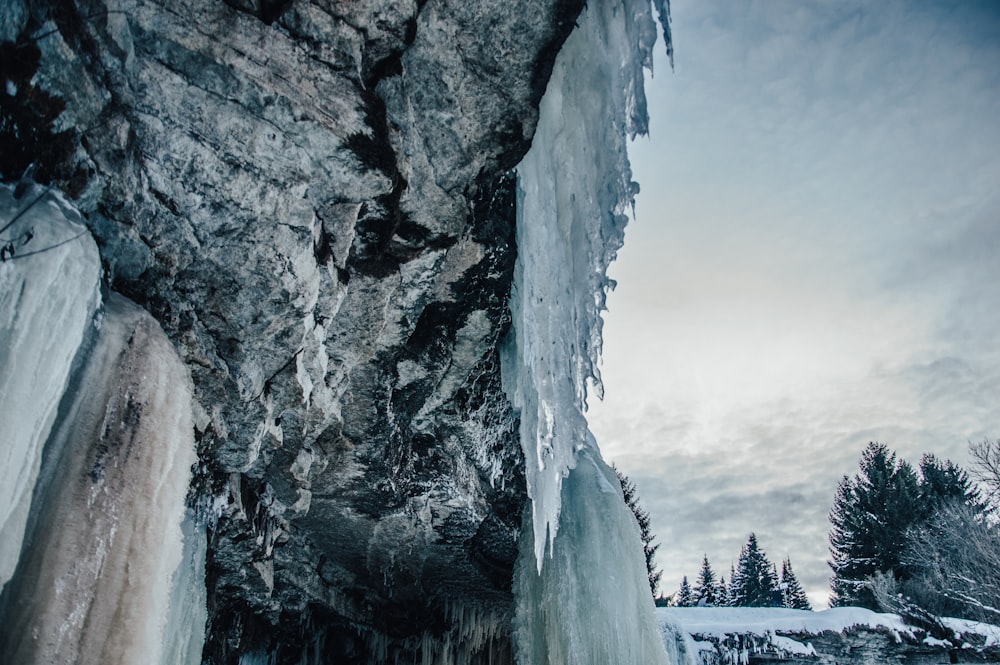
[[314, 200]]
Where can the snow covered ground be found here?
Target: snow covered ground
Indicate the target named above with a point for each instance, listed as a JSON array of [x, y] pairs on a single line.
[[720, 621], [731, 634]]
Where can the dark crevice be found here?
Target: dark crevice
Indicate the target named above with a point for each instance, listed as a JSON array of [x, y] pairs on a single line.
[[379, 219], [27, 117]]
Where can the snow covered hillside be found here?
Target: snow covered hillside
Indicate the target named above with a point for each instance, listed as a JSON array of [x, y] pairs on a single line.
[[841, 636]]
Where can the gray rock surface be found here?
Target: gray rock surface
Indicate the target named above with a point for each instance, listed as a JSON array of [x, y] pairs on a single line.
[[313, 199]]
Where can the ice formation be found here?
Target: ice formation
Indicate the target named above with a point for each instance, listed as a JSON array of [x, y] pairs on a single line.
[[97, 441], [591, 603], [49, 279], [575, 189], [184, 634], [580, 584]]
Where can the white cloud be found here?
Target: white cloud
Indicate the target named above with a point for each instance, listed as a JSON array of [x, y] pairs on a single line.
[[813, 266]]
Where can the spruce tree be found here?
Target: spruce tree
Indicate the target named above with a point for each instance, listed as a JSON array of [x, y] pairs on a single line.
[[704, 586], [722, 592], [871, 514], [684, 597], [793, 595], [649, 546], [942, 482], [755, 582]]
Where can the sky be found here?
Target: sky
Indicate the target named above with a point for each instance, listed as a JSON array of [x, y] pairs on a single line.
[[814, 264]]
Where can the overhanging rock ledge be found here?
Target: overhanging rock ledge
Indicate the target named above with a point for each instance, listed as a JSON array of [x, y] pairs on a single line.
[[314, 200]]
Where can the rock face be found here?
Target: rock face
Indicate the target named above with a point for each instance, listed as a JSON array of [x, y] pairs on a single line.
[[314, 200]]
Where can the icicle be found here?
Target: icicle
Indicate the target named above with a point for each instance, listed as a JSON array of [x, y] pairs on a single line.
[[581, 590], [49, 279], [574, 190]]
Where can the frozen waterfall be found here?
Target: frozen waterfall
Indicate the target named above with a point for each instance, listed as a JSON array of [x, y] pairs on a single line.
[[98, 439], [580, 585], [47, 303]]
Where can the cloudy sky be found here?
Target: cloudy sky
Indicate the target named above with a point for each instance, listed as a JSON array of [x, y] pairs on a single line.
[[815, 263]]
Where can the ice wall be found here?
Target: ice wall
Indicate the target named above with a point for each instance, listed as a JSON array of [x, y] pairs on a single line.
[[580, 582], [94, 583], [184, 634], [590, 604], [575, 189], [49, 279]]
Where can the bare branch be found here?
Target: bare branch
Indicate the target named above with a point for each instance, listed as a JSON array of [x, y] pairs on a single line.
[[986, 467]]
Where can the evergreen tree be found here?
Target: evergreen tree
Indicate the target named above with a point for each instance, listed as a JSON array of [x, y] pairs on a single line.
[[704, 586], [871, 514], [794, 596], [649, 547], [755, 582], [943, 482], [684, 597], [730, 601], [722, 592], [777, 598]]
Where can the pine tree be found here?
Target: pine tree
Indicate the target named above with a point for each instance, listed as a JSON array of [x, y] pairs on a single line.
[[871, 514], [755, 582], [942, 482], [684, 597], [722, 592], [704, 586], [794, 596], [649, 547]]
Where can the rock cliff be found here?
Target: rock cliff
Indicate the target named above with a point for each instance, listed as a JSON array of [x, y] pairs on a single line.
[[314, 200]]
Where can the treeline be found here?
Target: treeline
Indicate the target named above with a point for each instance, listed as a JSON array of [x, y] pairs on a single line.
[[923, 543], [753, 582]]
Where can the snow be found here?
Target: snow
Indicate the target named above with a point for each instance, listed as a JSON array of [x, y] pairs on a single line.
[[581, 593], [47, 303], [728, 632], [790, 646], [965, 627], [720, 621]]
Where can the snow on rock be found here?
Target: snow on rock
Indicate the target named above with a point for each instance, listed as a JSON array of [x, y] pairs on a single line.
[[722, 621], [49, 277], [786, 645], [989, 633], [95, 585], [838, 636]]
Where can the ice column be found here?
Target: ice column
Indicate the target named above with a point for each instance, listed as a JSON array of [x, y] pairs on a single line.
[[580, 583], [105, 533], [49, 279], [184, 635], [575, 189]]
